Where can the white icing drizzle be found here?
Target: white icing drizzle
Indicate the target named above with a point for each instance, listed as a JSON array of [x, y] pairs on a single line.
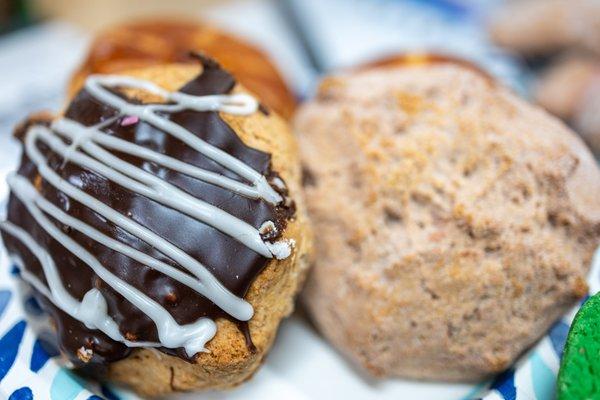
[[226, 300], [123, 146], [241, 104], [139, 181], [281, 249], [25, 191], [192, 337], [92, 310]]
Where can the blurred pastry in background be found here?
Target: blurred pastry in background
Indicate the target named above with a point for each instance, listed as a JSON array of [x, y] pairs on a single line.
[[159, 41], [456, 221], [570, 89], [567, 34], [541, 27], [561, 86], [419, 59], [587, 119]]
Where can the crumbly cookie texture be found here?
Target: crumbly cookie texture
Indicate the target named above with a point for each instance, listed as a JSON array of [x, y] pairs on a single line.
[[455, 221], [229, 362]]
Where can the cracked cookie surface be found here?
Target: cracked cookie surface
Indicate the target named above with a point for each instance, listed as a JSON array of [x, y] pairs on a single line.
[[455, 221]]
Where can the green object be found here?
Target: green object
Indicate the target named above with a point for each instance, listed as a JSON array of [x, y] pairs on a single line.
[[579, 376]]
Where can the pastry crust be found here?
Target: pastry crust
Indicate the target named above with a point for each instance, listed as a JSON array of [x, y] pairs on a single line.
[[416, 59], [456, 221], [159, 41], [229, 361]]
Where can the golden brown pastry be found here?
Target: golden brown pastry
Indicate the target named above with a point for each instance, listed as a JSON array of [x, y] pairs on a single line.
[[560, 88], [587, 117], [166, 239], [570, 89], [420, 59], [159, 41], [456, 222], [543, 27]]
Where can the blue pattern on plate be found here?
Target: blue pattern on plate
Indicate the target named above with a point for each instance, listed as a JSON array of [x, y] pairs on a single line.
[[9, 347], [41, 353], [66, 385], [558, 336], [505, 385], [5, 296], [542, 377], [32, 306], [23, 393], [109, 394]]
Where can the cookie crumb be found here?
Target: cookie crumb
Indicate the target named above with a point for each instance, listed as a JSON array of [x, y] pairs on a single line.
[[84, 354]]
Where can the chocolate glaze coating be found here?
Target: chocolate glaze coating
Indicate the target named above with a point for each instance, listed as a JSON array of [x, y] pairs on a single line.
[[235, 265]]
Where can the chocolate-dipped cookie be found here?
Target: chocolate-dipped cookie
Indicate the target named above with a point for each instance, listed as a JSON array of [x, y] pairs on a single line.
[[159, 221]]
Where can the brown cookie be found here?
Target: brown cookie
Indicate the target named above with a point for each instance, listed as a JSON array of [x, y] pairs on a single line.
[[229, 361], [456, 221], [261, 140]]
